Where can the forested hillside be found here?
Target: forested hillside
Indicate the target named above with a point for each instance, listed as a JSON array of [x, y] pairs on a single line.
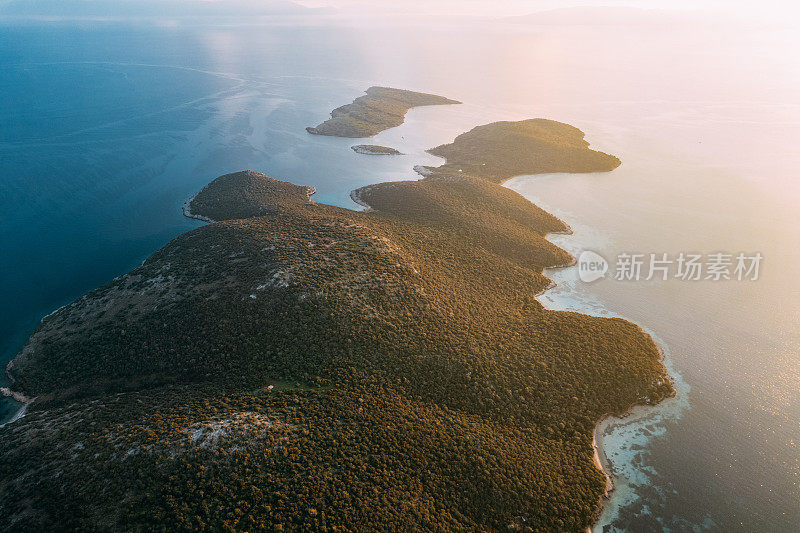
[[502, 150], [298, 366]]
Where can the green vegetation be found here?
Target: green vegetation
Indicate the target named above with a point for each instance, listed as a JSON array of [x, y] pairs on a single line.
[[374, 149], [502, 150], [479, 212], [246, 194], [297, 366], [382, 108]]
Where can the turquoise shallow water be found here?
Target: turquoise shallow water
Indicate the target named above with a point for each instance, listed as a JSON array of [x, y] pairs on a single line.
[[105, 130]]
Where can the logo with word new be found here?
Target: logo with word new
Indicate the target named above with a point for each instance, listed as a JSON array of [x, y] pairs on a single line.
[[591, 266]]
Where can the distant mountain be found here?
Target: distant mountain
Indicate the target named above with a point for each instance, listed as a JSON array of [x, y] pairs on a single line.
[[76, 9]]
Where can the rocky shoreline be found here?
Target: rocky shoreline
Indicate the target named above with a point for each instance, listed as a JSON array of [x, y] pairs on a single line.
[[14, 395], [610, 420], [17, 397], [187, 211]]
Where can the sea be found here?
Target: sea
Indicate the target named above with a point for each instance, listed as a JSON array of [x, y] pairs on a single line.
[[107, 128]]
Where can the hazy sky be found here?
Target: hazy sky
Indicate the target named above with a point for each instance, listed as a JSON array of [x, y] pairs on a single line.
[[519, 7], [785, 11]]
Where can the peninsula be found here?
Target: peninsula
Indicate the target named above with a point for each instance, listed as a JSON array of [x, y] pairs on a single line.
[[380, 109], [501, 150], [298, 366]]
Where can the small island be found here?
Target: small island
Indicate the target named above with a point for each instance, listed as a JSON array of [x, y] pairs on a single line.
[[374, 149], [380, 109], [396, 360]]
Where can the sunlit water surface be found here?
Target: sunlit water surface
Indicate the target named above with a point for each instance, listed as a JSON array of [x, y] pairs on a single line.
[[106, 131]]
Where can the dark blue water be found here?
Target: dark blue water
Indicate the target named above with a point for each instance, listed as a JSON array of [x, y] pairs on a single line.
[[105, 131]]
